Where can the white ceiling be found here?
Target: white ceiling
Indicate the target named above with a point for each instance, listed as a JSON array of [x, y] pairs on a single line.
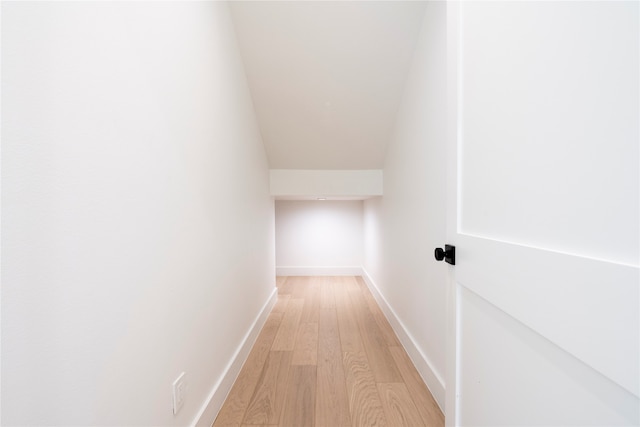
[[326, 77]]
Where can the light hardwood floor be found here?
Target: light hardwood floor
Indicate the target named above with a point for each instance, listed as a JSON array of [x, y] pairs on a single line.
[[327, 357]]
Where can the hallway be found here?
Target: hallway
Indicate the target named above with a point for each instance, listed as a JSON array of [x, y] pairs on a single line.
[[327, 356], [198, 196]]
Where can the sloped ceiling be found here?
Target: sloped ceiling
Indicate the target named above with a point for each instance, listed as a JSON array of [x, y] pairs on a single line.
[[326, 77]]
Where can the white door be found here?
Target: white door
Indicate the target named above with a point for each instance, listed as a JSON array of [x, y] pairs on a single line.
[[544, 161]]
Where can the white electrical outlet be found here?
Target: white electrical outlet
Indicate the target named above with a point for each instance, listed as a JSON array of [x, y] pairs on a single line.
[[179, 392]]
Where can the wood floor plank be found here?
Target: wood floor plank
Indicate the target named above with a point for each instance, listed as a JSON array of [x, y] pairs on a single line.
[[280, 280], [311, 296], [306, 347], [398, 405], [267, 401], [389, 336], [235, 406], [385, 328], [281, 304], [299, 286], [382, 363], [427, 407], [299, 409], [286, 337], [332, 403], [327, 297], [350, 338], [285, 287], [364, 401]]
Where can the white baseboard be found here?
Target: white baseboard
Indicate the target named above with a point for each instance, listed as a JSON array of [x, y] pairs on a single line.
[[318, 271], [432, 379], [209, 411]]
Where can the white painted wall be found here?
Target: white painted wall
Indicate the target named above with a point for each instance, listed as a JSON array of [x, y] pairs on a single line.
[[373, 255], [295, 183], [408, 222], [319, 237], [138, 230]]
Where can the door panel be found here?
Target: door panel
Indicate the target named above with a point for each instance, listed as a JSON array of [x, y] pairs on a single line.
[[544, 210], [548, 385], [587, 307], [549, 136]]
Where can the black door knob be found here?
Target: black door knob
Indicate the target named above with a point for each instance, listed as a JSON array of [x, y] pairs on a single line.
[[448, 254]]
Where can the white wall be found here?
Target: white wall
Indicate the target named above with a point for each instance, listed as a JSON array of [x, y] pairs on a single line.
[[136, 213], [373, 237], [333, 183], [408, 222], [319, 237]]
